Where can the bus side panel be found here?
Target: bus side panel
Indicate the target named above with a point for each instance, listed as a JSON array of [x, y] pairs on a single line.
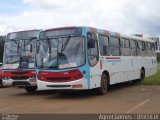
[[134, 67], [124, 68], [146, 64], [95, 76], [151, 66], [154, 65], [117, 67]]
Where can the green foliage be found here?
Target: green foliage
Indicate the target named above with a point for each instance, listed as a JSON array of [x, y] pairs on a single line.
[[153, 80]]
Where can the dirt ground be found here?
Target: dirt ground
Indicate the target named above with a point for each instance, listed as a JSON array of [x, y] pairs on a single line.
[[122, 98]]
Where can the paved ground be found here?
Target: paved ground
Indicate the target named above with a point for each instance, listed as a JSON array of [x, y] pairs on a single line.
[[124, 98]]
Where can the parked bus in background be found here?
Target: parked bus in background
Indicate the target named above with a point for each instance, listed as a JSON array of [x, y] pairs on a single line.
[[78, 58], [19, 60]]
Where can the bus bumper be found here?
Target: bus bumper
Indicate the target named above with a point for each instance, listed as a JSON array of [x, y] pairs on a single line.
[[26, 82], [81, 84]]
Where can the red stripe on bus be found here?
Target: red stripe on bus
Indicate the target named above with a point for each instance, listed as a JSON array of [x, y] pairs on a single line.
[[113, 58]]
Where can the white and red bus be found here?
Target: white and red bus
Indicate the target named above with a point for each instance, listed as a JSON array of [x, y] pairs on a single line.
[[19, 60], [78, 58]]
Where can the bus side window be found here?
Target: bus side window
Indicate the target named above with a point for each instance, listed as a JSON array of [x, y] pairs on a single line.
[[133, 47], [146, 48], [149, 49], [93, 54], [143, 49], [115, 46], [153, 49], [126, 48], [140, 47], [104, 45], [137, 48]]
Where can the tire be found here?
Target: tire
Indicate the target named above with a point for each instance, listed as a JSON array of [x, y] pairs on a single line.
[[1, 84], [142, 76], [31, 89], [103, 89]]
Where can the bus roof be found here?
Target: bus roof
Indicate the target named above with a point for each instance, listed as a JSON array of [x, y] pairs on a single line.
[[136, 38], [101, 31], [24, 31], [22, 34]]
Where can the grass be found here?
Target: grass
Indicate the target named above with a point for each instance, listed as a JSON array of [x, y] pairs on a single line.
[[153, 80]]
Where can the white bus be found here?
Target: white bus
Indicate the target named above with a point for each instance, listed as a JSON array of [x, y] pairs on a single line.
[[78, 58], [19, 59]]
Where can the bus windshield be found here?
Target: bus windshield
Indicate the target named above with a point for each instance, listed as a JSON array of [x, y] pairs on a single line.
[[27, 55], [12, 54], [20, 52], [61, 53]]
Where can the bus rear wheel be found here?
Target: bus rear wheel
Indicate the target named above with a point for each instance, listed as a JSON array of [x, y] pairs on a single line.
[[31, 89], [104, 85], [142, 76]]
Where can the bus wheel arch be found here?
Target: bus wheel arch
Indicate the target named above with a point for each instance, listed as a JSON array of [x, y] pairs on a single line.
[[108, 76], [142, 74], [103, 89], [143, 69]]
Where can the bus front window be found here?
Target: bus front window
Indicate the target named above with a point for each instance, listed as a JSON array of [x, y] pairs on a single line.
[[12, 54], [20, 49], [27, 56], [61, 53]]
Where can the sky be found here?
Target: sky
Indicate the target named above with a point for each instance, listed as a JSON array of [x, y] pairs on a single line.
[[123, 16]]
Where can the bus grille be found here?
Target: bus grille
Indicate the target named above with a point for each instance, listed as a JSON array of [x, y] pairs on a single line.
[[20, 83], [58, 78], [20, 73], [20, 77]]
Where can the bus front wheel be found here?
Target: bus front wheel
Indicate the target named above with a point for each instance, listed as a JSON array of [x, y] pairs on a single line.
[[31, 89], [103, 89]]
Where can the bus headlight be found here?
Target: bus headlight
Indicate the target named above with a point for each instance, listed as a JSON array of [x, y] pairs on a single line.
[[5, 77], [33, 77]]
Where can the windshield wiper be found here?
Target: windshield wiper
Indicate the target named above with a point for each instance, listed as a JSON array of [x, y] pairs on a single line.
[[65, 43], [60, 54]]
